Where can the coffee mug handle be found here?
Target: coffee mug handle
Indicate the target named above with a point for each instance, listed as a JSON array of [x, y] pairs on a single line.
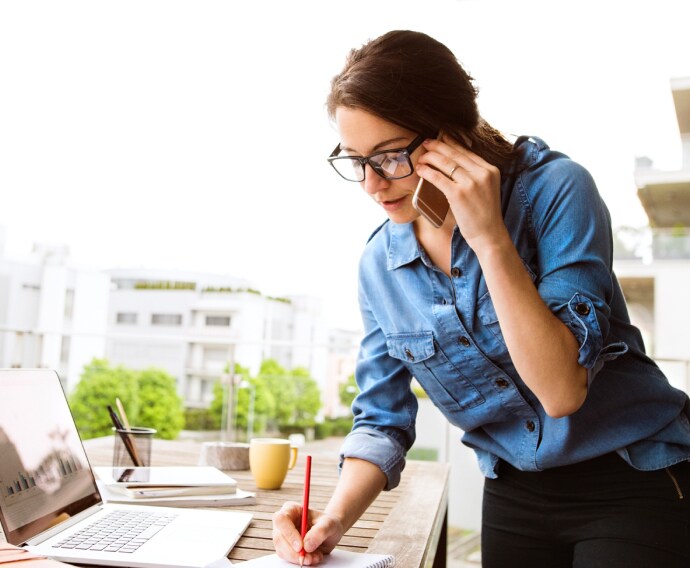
[[293, 457]]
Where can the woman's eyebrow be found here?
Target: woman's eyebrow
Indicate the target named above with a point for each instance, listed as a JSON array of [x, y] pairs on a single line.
[[378, 146]]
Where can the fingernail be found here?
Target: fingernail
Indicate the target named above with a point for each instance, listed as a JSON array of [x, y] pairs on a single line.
[[296, 545]]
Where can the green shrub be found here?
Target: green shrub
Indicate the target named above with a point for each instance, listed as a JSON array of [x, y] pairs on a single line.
[[198, 419], [150, 399], [160, 405], [333, 427], [98, 388], [423, 454]]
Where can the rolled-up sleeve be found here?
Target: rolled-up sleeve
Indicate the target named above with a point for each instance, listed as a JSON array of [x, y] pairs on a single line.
[[575, 256], [378, 448], [580, 316]]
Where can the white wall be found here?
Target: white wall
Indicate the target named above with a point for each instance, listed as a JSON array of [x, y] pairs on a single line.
[[51, 313], [671, 309], [33, 312], [88, 323]]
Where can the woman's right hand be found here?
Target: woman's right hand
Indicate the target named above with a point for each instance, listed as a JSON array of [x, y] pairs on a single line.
[[324, 532]]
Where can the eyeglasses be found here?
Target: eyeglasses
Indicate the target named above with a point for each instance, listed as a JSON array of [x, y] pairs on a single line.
[[389, 164]]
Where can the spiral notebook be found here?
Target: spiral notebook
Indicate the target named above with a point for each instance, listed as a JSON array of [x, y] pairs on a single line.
[[336, 559]]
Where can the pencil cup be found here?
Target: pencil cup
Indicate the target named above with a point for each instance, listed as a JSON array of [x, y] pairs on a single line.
[[269, 461], [132, 447]]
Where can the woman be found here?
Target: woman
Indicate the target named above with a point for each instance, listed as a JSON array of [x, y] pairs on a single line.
[[510, 317]]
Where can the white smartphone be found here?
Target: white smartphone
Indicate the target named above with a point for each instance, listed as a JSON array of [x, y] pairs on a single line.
[[430, 202]]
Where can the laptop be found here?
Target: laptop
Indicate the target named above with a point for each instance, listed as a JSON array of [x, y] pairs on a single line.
[[48, 492]]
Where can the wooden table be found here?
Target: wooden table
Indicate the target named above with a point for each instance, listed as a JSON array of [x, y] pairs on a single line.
[[409, 522]]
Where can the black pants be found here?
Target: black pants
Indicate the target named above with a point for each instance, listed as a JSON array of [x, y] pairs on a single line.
[[597, 513]]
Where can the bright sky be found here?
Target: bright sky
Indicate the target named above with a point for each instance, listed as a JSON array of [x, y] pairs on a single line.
[[192, 134]]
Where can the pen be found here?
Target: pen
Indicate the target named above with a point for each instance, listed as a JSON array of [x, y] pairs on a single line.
[[123, 414], [126, 440], [305, 507]]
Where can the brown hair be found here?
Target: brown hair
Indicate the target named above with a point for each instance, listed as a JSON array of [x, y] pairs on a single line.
[[416, 82]]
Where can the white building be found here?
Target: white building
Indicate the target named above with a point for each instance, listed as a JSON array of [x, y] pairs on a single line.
[[343, 348], [195, 326], [656, 285], [52, 314]]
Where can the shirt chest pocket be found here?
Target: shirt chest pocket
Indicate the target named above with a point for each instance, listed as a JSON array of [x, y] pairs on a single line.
[[441, 380]]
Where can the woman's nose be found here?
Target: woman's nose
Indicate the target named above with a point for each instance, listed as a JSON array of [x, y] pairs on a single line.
[[373, 182]]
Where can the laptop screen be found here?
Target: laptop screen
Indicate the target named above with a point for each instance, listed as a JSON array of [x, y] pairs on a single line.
[[45, 476]]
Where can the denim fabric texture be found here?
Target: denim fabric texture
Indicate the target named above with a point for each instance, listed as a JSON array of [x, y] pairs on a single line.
[[443, 331]]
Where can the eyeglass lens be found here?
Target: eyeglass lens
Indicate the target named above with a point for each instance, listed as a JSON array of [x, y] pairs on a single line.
[[390, 165]]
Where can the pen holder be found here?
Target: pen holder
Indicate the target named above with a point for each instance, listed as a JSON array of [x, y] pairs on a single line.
[[132, 447]]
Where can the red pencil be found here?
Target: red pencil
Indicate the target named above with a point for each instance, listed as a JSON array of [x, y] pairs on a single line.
[[305, 507]]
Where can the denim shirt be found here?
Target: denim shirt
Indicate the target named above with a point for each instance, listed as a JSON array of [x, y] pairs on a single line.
[[443, 331]]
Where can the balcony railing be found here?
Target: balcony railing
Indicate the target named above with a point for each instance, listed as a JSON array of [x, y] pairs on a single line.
[[652, 244], [671, 243]]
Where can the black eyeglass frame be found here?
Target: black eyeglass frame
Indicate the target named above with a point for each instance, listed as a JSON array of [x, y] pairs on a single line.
[[364, 160]]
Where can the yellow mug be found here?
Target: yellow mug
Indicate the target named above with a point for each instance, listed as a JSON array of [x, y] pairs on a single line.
[[269, 461]]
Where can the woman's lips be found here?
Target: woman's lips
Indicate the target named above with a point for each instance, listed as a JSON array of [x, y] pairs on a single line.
[[393, 204]]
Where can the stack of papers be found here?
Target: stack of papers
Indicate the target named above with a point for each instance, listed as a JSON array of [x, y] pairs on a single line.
[[181, 486]]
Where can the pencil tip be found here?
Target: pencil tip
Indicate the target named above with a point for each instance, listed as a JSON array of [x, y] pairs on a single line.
[[301, 561]]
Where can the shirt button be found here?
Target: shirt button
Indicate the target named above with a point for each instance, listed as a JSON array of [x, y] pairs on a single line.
[[464, 341], [501, 383], [455, 272], [530, 426], [582, 309], [409, 354]]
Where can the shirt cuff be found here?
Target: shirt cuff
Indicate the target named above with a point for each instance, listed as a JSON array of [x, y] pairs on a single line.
[[581, 318], [378, 448]]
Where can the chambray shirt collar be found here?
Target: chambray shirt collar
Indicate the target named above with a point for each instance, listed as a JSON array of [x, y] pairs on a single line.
[[404, 247]]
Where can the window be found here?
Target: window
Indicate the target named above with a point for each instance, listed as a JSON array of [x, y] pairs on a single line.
[[69, 303], [126, 318], [166, 319], [64, 349], [220, 321]]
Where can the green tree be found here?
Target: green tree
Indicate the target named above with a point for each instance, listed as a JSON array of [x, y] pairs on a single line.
[[296, 395], [347, 391], [307, 396], [99, 386], [281, 398], [281, 395], [160, 405], [219, 404], [263, 402], [215, 409]]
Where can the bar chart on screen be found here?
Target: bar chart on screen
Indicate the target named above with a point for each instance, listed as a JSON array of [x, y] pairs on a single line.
[[26, 490]]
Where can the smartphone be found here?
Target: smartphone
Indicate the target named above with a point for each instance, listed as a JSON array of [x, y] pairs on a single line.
[[430, 202]]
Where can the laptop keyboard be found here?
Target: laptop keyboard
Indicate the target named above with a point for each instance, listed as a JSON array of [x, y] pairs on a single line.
[[118, 531]]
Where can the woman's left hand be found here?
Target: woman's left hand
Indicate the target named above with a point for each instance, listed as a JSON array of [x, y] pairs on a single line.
[[472, 186]]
